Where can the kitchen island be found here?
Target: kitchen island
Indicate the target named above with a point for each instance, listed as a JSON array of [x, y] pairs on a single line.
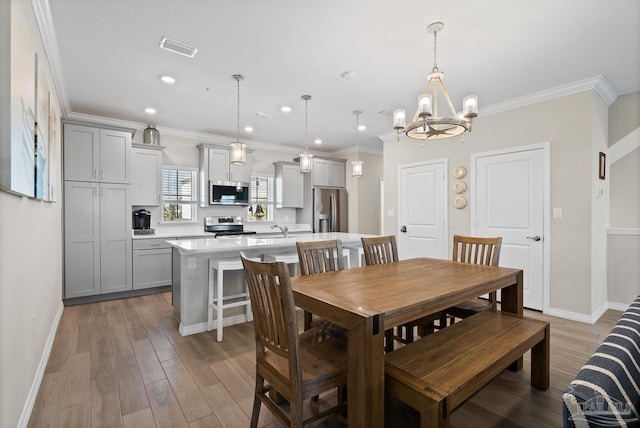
[[190, 260]]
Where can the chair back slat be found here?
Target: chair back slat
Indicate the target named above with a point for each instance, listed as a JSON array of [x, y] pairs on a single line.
[[477, 250], [273, 308], [320, 256], [378, 250]]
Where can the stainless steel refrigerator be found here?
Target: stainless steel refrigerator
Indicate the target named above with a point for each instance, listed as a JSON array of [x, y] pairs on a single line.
[[330, 210]]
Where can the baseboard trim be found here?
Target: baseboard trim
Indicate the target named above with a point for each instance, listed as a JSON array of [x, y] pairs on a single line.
[[35, 386], [618, 306], [186, 330], [589, 319]]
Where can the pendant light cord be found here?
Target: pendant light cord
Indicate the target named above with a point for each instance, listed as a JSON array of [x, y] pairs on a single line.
[[435, 51], [238, 113]]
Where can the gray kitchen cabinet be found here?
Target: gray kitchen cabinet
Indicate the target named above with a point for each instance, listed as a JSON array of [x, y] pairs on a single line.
[[215, 165], [288, 185], [218, 164], [329, 172], [97, 247], [151, 263], [146, 182], [97, 154]]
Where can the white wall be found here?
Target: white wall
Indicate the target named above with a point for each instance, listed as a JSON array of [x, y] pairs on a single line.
[[364, 194], [30, 278], [574, 126], [623, 244]]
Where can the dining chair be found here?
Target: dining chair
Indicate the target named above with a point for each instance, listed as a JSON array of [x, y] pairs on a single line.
[[476, 250], [295, 366], [383, 249], [319, 257]]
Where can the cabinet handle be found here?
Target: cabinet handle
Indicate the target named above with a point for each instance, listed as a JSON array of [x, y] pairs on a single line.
[[95, 191], [102, 174], [154, 245], [95, 173], [102, 192]]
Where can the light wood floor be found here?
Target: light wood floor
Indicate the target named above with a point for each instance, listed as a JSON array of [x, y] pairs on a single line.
[[123, 364]]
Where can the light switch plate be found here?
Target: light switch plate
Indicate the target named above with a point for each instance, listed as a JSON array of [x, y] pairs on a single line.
[[390, 213], [557, 213]]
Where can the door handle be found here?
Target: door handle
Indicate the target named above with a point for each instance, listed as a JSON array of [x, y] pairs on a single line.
[[403, 229], [534, 238]]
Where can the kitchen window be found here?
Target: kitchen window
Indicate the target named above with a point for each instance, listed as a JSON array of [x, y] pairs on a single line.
[[262, 201], [179, 196]]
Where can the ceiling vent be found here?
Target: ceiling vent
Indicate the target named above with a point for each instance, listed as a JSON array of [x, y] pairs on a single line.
[[177, 47]]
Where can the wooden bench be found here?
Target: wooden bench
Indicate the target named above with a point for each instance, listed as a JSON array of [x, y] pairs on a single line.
[[437, 373]]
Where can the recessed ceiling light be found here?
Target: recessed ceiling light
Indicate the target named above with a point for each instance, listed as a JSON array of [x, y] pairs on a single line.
[[317, 141], [248, 128], [150, 110], [362, 127], [285, 109], [167, 79]]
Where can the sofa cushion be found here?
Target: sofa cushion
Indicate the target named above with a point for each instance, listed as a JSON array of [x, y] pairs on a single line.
[[606, 391]]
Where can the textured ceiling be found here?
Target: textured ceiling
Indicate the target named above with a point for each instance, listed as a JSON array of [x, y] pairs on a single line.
[[496, 49]]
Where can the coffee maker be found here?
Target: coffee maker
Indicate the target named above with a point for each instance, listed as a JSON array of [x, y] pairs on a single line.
[[141, 219]]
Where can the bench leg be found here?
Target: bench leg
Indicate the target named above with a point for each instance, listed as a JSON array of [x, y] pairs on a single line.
[[540, 362], [434, 416]]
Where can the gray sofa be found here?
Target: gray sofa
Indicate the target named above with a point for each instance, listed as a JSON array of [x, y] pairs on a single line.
[[606, 391]]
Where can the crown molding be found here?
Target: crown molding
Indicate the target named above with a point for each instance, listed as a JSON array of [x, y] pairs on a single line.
[[42, 14], [352, 149], [182, 133], [596, 83]]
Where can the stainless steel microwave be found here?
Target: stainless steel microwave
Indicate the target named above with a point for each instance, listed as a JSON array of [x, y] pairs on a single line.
[[228, 193]]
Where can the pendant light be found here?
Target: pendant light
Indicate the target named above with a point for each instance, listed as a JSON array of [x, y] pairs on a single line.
[[357, 163], [238, 149], [306, 159]]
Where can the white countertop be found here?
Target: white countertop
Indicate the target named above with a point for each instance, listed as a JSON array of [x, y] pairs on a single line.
[[247, 242], [197, 231]]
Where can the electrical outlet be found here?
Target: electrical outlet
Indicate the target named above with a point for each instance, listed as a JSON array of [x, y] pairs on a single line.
[[33, 325]]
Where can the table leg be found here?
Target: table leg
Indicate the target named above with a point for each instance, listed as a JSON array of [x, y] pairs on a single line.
[[512, 301], [365, 387]]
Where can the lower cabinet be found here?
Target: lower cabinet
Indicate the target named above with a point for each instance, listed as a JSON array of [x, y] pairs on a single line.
[[151, 263], [97, 244]]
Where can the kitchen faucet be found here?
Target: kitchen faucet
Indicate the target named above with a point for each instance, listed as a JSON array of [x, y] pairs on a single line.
[[283, 229]]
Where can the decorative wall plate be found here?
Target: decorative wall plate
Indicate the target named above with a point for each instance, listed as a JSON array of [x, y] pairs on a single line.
[[459, 171], [459, 186], [460, 202]]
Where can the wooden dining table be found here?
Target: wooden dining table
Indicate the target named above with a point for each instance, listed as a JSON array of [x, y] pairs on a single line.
[[371, 299]]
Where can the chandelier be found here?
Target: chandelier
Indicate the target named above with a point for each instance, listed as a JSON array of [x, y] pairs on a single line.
[[238, 149], [306, 159], [427, 124], [357, 163]]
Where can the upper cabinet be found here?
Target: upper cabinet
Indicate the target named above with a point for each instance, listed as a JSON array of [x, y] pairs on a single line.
[[289, 185], [215, 165], [97, 154], [329, 172], [146, 182]]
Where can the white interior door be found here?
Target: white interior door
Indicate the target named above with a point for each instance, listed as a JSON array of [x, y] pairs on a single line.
[[423, 190], [510, 198]]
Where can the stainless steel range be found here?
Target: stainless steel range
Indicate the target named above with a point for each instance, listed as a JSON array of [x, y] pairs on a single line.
[[225, 226]]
